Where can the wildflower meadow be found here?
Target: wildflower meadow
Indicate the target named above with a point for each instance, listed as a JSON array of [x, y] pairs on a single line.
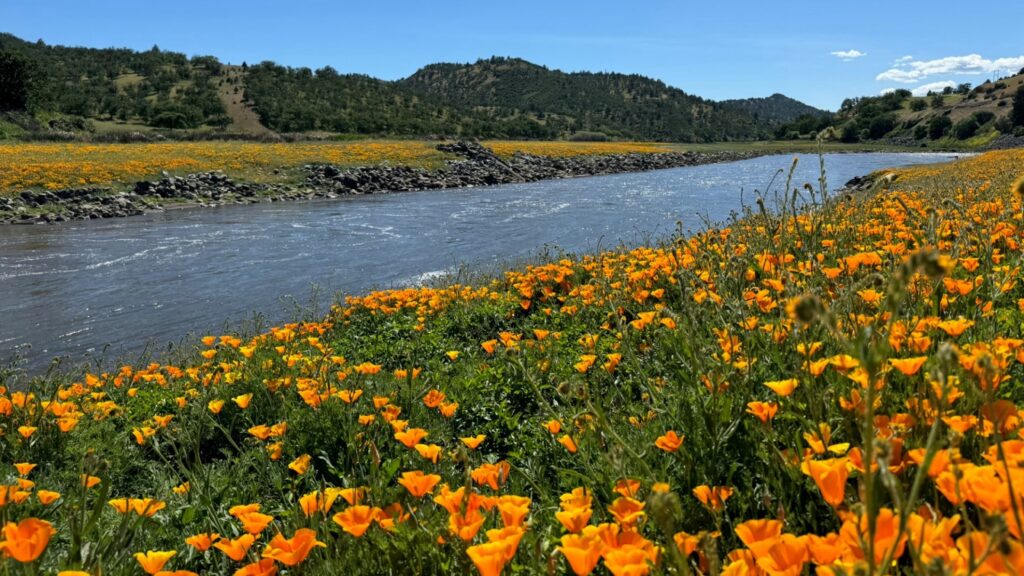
[[826, 384]]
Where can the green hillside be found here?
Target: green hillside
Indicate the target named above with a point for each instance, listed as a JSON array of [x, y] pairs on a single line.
[[962, 116], [152, 88], [58, 92]]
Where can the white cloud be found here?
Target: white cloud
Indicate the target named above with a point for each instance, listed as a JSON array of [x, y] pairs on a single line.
[[848, 55], [910, 71], [924, 89], [902, 60]]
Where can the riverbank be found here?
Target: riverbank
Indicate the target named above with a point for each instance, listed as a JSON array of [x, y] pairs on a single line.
[[476, 165], [100, 290]]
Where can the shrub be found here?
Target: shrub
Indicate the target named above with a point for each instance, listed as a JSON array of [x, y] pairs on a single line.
[[938, 126], [1017, 114], [918, 104], [849, 134], [881, 126], [175, 120], [584, 136], [965, 128], [983, 117], [921, 131], [14, 81]]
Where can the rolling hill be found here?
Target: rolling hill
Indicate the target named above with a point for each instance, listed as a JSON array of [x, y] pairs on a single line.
[[961, 116], [75, 89]]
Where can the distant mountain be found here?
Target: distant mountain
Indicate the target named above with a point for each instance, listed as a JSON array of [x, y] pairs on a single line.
[[775, 109], [120, 89]]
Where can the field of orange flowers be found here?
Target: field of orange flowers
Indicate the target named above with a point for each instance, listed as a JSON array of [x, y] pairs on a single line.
[[53, 166], [832, 389], [506, 148]]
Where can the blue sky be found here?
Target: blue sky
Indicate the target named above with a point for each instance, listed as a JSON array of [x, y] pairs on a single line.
[[817, 51]]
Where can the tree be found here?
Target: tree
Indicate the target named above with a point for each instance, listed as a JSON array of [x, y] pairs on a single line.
[[15, 81], [937, 101], [1017, 114], [938, 126], [918, 104], [965, 128], [880, 126], [849, 134]]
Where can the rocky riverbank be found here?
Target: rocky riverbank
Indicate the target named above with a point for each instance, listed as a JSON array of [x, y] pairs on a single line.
[[476, 166]]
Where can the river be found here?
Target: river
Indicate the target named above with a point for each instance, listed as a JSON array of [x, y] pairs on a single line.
[[106, 289]]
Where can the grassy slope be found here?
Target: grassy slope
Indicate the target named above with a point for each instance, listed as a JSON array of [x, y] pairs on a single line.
[[244, 119], [618, 348], [960, 107]]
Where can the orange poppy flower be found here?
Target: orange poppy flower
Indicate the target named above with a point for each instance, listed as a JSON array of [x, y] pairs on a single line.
[[430, 452], [264, 567], [153, 561], [255, 522], [830, 476], [713, 498], [26, 540], [300, 465], [202, 542], [466, 525], [47, 497], [411, 437], [472, 442], [419, 484], [569, 444], [433, 398], [574, 519], [489, 558], [669, 441], [764, 411], [447, 409], [908, 366], [626, 511], [356, 520], [513, 509], [237, 548], [24, 468], [293, 551], [582, 552], [349, 396], [627, 561], [783, 387]]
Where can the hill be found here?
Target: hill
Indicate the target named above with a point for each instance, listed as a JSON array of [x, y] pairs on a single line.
[[960, 116], [73, 90], [152, 88], [775, 109], [621, 105]]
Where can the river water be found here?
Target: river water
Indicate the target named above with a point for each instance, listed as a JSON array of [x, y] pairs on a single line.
[[105, 289]]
